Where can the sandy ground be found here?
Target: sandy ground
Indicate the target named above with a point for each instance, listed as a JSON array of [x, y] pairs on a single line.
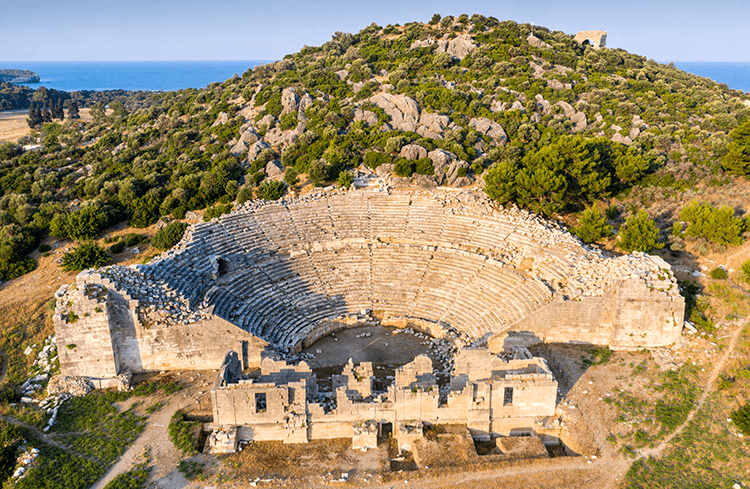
[[13, 123]]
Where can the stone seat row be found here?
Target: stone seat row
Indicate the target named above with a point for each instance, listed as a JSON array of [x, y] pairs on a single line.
[[276, 286]]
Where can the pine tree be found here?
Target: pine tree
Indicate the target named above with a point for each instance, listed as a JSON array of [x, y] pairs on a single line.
[[72, 109], [35, 116], [639, 234], [592, 226]]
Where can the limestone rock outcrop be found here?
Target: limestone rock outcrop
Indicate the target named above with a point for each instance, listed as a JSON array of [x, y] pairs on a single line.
[[413, 152], [458, 47], [247, 138], [275, 170], [491, 129], [536, 42], [254, 150], [403, 111], [289, 101]]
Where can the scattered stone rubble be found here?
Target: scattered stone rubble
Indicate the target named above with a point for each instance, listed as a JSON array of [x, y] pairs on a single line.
[[24, 461]]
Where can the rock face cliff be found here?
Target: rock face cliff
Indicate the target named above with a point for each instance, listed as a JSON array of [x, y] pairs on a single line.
[[19, 76]]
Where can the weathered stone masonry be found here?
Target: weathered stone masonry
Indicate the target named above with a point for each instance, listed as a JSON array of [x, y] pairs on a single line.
[[285, 272], [491, 396]]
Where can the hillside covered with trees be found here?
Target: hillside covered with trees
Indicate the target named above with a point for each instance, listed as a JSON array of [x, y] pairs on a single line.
[[542, 121]]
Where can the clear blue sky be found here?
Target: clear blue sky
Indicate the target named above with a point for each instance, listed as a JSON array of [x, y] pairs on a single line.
[[83, 30]]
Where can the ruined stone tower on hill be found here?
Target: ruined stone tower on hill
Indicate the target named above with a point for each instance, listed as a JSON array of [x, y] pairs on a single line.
[[598, 39]]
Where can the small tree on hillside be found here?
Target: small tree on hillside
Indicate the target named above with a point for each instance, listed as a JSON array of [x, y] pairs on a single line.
[[639, 234], [592, 226], [88, 255], [737, 158], [169, 236], [271, 189]]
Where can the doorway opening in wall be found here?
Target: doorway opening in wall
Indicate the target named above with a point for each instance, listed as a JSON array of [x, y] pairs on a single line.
[[385, 433], [260, 402], [508, 396]]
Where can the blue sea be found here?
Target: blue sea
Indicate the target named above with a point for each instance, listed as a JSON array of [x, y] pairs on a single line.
[[130, 75], [176, 75], [736, 75]]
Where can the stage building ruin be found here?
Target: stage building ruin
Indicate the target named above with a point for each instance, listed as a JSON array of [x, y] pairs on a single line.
[[489, 395]]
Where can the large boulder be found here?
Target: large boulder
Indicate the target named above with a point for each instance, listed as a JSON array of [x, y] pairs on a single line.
[[403, 111], [458, 47], [248, 137], [385, 169], [491, 129], [423, 43], [517, 105], [536, 42], [304, 102], [289, 101], [369, 117], [433, 125], [458, 174], [278, 137], [619, 138], [275, 170], [221, 119], [579, 121], [441, 161], [413, 152], [268, 120], [568, 109], [424, 181], [254, 150]]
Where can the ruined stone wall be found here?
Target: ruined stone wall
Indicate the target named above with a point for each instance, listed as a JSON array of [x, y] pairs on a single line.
[[82, 324], [500, 397], [109, 337], [598, 39], [631, 316]]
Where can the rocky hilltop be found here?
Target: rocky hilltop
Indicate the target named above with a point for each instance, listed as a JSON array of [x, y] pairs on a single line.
[[19, 76], [553, 123]]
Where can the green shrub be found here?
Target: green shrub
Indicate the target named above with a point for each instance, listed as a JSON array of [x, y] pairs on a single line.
[[88, 255], [132, 239], [117, 247], [374, 159], [144, 212], [10, 439], [639, 234], [345, 179], [216, 210], [719, 274], [81, 225], [183, 433], [404, 167], [291, 177], [741, 419], [191, 470], [745, 272], [720, 226], [271, 190], [169, 236], [424, 166], [133, 479], [592, 226], [44, 248]]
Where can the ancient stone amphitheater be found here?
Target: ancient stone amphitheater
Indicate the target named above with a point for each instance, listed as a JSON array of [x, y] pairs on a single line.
[[290, 271]]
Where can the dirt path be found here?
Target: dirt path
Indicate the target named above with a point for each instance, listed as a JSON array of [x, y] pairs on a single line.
[[154, 438], [46, 438], [707, 390]]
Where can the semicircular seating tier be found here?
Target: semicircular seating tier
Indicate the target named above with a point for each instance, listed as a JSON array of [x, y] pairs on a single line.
[[280, 269]]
